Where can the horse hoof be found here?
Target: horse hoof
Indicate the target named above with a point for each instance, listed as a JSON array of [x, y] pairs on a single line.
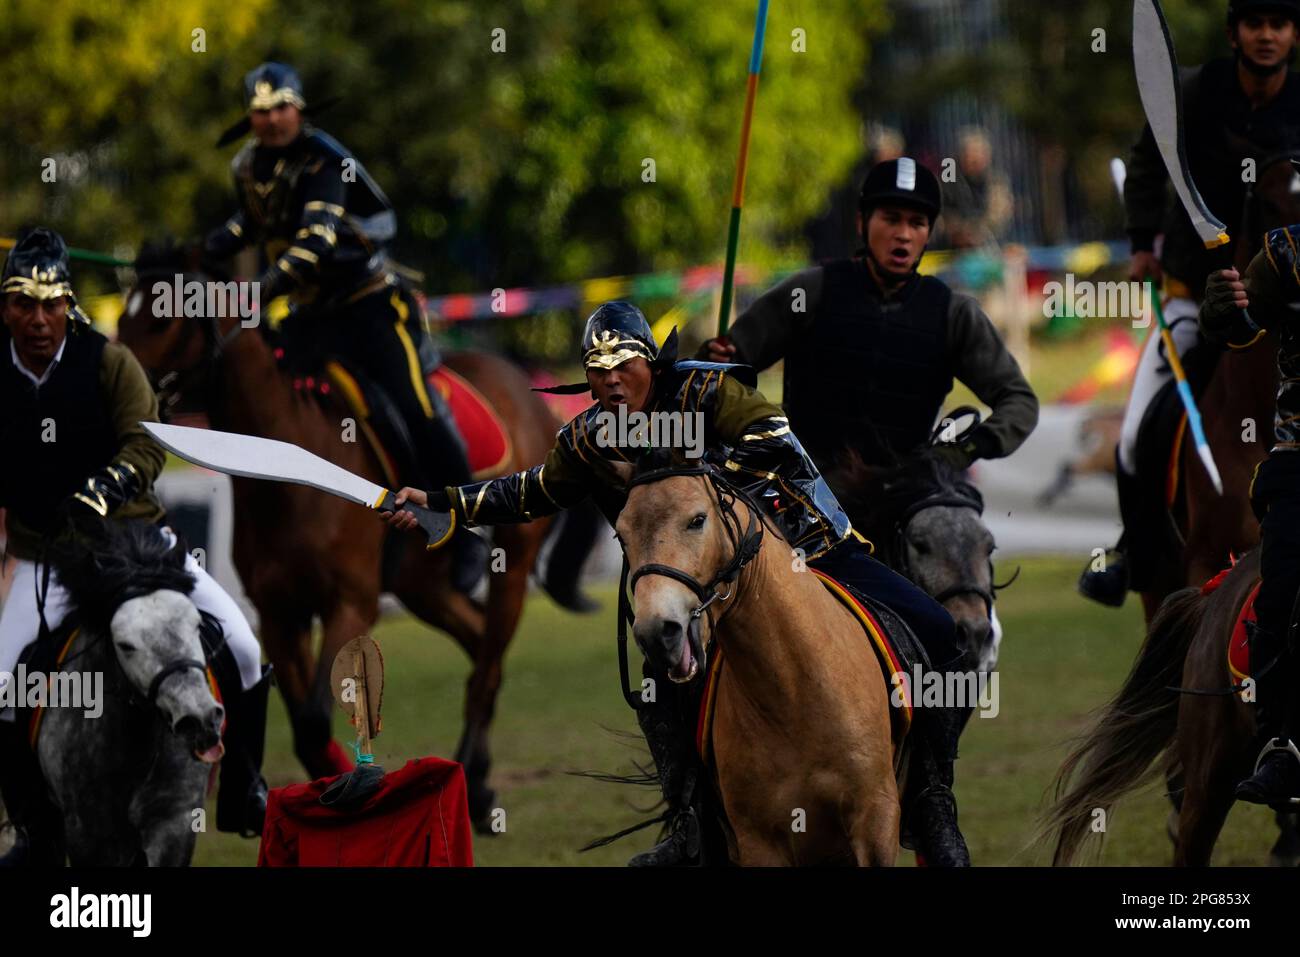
[[482, 804]]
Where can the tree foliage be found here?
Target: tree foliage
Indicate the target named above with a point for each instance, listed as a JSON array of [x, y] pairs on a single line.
[[516, 167]]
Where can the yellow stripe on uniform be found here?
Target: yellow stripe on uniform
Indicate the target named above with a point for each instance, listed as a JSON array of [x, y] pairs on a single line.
[[412, 359]]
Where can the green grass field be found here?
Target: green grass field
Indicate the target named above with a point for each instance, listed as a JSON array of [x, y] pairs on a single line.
[[560, 711]]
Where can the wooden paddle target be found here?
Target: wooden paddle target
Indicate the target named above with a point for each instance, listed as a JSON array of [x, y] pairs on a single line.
[[357, 681]]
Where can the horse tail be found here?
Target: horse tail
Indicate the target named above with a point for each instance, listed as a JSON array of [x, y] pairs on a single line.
[[572, 539], [1131, 732]]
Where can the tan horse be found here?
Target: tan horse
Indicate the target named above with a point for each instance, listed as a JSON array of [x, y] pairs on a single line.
[[801, 727]]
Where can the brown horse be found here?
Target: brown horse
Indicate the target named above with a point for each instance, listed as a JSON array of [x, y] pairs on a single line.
[[1237, 411], [1176, 713], [1237, 407], [802, 741], [303, 555]]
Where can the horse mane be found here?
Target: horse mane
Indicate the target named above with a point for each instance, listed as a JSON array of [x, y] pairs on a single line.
[[878, 496], [113, 562]]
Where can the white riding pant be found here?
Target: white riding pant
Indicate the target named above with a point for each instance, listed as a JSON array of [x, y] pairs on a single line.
[[1153, 371], [20, 619]]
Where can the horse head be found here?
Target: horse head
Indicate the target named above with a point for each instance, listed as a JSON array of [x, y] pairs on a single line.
[[130, 587], [925, 520], [686, 544], [176, 352]]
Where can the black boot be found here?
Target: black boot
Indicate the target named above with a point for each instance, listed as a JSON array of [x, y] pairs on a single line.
[[1109, 586], [1276, 778], [933, 809], [443, 462], [670, 747], [36, 820], [241, 797]]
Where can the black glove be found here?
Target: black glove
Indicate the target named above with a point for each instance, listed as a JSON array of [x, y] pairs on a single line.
[[109, 489], [1219, 310], [977, 445]]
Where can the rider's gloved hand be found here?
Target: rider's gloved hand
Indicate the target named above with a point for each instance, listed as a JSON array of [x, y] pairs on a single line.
[[959, 457], [719, 349], [1225, 297], [109, 489]]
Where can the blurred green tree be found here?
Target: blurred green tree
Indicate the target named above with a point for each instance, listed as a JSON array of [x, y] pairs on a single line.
[[508, 167]]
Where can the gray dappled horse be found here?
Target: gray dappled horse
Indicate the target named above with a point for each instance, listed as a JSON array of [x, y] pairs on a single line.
[[128, 781], [924, 520]]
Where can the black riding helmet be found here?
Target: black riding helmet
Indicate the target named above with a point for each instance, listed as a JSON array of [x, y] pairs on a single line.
[[1241, 8], [904, 182], [616, 332], [37, 267]]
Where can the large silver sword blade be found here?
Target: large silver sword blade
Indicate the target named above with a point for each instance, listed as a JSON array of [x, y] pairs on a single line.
[[251, 456], [1156, 68]]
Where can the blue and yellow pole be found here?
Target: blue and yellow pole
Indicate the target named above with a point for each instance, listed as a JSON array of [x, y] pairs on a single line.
[[738, 189]]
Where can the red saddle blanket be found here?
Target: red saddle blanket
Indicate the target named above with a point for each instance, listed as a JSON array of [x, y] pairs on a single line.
[[1238, 645], [419, 817], [485, 434]]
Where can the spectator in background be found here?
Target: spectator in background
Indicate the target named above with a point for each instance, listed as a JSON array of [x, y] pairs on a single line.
[[977, 207]]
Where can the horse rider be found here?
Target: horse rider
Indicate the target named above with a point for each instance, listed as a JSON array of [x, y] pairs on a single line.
[[71, 439], [1234, 108], [752, 440], [322, 225], [1271, 291], [871, 347]]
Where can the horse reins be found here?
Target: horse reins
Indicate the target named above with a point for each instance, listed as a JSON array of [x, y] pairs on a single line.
[[745, 547]]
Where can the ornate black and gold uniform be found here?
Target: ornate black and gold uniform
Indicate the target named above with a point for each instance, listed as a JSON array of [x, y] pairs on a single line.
[[322, 225], [743, 433], [1272, 283]]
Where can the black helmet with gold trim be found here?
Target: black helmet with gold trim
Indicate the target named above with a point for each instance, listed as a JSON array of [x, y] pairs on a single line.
[[267, 86], [37, 267], [272, 84], [616, 332]]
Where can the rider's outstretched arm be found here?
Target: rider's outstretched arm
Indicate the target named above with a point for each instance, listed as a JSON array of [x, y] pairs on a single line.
[[559, 483]]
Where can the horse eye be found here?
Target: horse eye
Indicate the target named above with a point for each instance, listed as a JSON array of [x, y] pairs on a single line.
[[697, 521], [126, 648]]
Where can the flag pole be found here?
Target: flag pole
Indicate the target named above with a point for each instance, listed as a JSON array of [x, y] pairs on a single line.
[[738, 189]]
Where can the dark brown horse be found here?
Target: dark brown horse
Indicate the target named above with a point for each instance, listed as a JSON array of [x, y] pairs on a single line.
[[1175, 714], [303, 555], [1237, 408]]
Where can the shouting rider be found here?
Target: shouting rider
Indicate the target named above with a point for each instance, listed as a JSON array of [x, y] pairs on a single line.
[[1244, 107], [871, 347], [61, 378], [1271, 291], [752, 439], [322, 225]]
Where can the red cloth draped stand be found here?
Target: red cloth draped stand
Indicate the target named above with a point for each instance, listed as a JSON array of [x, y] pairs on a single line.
[[418, 818]]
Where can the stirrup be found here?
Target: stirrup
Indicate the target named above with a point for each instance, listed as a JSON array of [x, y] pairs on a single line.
[[1274, 744]]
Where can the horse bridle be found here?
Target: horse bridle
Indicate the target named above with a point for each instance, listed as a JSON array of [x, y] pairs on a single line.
[[745, 547], [171, 385], [945, 499]]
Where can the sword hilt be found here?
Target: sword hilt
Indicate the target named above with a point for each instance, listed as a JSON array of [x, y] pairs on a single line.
[[438, 526]]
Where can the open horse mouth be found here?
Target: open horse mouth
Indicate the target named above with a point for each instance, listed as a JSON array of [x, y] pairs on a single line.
[[211, 755], [688, 663]]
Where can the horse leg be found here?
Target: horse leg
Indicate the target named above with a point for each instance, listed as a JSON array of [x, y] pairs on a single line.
[[287, 641], [507, 590], [874, 834], [1209, 778]]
